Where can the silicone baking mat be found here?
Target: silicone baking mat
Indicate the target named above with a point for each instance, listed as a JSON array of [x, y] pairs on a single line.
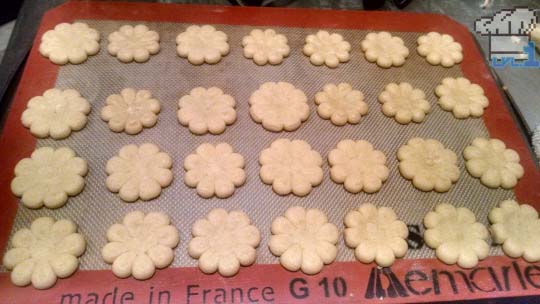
[[104, 75], [169, 77]]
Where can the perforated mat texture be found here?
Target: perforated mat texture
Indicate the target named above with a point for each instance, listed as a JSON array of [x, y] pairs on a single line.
[[169, 77]]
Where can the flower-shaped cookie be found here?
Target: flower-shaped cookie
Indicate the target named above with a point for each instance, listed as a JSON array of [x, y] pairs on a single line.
[[69, 43], [439, 49], [47, 251], [428, 164], [376, 234], [291, 166], [384, 49], [130, 43], [463, 98], [357, 166], [48, 177], [206, 110], [456, 236], [200, 44], [130, 111], [517, 228], [404, 103], [214, 170], [139, 172], [326, 48], [493, 163], [304, 240], [140, 244], [341, 104], [279, 106], [265, 46], [56, 113], [223, 241]]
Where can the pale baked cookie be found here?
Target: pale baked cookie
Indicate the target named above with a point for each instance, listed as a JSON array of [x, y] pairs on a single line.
[[325, 48], [428, 164], [130, 43], [404, 103], [534, 35], [131, 111], [200, 44], [47, 251], [384, 49], [439, 49], [517, 228], [279, 106], [69, 42], [206, 110], [304, 240], [265, 46], [456, 236], [291, 166], [358, 166], [56, 113], [493, 163], [140, 244], [214, 170], [463, 98], [139, 172], [48, 177], [376, 234], [341, 104], [224, 241]]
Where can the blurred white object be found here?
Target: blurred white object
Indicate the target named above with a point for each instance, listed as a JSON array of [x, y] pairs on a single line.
[[508, 31], [5, 34], [536, 141], [485, 4]]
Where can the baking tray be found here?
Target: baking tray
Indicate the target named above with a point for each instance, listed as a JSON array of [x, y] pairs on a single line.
[[103, 75]]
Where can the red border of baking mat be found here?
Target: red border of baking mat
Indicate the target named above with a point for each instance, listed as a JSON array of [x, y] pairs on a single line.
[[408, 280]]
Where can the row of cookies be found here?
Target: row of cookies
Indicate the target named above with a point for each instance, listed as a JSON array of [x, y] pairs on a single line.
[[303, 239], [73, 43], [49, 176], [277, 106]]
